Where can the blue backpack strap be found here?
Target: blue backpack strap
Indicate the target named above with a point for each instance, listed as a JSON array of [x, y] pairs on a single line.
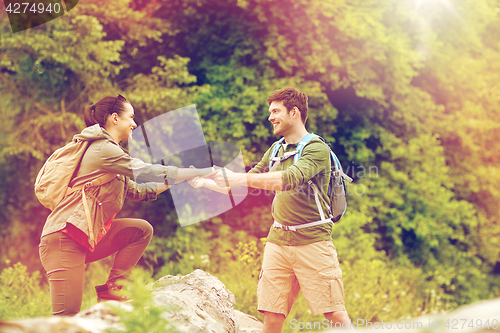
[[336, 161], [334, 157], [276, 148], [339, 173], [339, 167], [301, 145]]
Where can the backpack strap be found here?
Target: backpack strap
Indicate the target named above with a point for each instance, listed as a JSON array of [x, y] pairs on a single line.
[[338, 168], [302, 143], [337, 173], [336, 163], [296, 153], [106, 178], [276, 224], [273, 158], [323, 220], [317, 197]]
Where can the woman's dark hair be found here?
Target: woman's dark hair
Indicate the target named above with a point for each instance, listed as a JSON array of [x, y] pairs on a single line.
[[98, 113]]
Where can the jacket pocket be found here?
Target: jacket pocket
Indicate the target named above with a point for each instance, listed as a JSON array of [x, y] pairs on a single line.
[[112, 191]]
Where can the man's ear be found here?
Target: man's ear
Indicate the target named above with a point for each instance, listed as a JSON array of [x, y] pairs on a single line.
[[296, 112]]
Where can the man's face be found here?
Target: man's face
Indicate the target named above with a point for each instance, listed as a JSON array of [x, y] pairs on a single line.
[[280, 118]]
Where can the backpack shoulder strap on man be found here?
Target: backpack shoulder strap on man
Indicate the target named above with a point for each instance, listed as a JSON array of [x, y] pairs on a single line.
[[302, 143], [296, 153], [336, 187], [336, 194], [274, 153], [336, 166]]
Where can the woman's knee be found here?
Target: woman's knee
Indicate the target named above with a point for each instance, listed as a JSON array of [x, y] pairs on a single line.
[[129, 231], [147, 229]]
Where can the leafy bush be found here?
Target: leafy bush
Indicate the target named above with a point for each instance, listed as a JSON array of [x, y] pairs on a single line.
[[241, 272], [21, 294], [143, 316], [182, 253]]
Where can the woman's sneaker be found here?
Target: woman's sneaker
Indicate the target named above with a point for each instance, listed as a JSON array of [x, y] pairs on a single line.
[[110, 292]]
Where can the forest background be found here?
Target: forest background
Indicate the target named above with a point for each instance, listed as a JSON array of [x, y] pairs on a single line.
[[405, 91]]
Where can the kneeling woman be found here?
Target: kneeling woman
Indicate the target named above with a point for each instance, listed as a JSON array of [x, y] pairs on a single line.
[[70, 239]]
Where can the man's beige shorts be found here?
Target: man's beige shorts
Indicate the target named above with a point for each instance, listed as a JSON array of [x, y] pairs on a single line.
[[314, 268]]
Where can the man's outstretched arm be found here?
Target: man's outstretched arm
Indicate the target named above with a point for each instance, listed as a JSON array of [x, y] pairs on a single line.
[[267, 181], [208, 183]]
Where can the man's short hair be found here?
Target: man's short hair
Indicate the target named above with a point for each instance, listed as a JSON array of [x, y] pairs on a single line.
[[291, 97]]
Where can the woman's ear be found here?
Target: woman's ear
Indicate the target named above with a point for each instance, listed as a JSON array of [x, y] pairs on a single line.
[[114, 118]]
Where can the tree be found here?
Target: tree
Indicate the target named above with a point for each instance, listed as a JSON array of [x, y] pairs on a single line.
[[48, 75]]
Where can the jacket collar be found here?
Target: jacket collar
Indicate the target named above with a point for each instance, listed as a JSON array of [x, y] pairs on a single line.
[[94, 133]]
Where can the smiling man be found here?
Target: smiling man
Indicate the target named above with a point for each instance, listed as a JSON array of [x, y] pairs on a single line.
[[302, 257]]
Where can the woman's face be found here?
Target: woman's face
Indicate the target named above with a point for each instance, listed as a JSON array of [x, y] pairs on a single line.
[[126, 123]]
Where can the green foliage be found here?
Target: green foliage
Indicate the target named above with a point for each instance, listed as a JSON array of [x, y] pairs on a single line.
[[182, 254], [377, 290], [415, 212], [240, 274], [143, 316], [21, 293]]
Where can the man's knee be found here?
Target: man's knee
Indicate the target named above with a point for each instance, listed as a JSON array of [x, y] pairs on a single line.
[[273, 322], [340, 317], [274, 318]]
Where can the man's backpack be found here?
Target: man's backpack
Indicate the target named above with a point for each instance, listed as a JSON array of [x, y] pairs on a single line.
[[52, 181], [336, 188]]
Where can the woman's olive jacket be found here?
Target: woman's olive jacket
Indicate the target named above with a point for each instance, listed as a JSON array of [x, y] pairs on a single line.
[[103, 156]]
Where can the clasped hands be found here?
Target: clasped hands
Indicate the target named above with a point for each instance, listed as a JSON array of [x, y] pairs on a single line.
[[222, 177]]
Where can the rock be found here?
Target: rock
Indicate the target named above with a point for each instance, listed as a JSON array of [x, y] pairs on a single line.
[[198, 302], [48, 325], [206, 305], [96, 319], [247, 323]]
